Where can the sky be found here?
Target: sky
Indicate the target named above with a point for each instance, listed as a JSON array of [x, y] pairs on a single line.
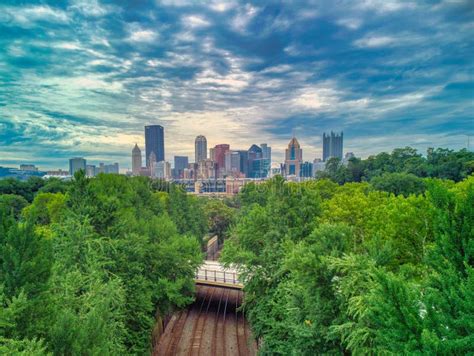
[[83, 77]]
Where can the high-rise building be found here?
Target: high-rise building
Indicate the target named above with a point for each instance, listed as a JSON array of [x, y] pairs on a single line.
[[212, 154], [207, 169], [254, 152], [180, 164], [111, 168], [76, 164], [306, 170], [136, 160], [152, 159], [91, 170], [154, 142], [162, 170], [332, 145], [266, 151], [293, 158], [244, 162], [192, 171], [256, 163], [318, 166], [200, 149], [267, 158], [219, 157], [232, 163]]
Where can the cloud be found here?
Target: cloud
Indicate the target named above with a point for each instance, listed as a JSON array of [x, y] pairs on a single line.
[[138, 33], [195, 21], [142, 36], [243, 18], [29, 15], [376, 41], [319, 98], [383, 6], [92, 8], [83, 78], [220, 6], [282, 68], [350, 23], [232, 82]]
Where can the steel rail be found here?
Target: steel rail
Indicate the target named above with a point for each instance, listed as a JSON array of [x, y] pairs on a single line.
[[196, 324], [214, 331]]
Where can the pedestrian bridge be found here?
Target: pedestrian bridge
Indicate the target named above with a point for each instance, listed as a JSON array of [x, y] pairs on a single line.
[[212, 273]]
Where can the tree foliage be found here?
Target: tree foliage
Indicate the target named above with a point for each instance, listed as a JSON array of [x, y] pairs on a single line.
[[219, 217], [380, 268], [86, 267], [396, 171]]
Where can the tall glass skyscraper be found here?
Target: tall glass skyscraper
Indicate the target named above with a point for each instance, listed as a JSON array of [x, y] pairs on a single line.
[[180, 164], [219, 157], [267, 159], [255, 162], [76, 164], [200, 147], [332, 145], [154, 142]]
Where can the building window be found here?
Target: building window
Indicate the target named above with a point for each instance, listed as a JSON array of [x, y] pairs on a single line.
[[292, 169]]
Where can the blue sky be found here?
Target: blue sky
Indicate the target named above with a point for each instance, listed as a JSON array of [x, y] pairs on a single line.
[[82, 78]]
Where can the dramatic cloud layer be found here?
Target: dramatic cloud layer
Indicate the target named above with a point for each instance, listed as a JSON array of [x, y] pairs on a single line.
[[83, 77]]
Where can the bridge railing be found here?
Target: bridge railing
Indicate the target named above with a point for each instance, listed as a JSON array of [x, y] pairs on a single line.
[[217, 276]]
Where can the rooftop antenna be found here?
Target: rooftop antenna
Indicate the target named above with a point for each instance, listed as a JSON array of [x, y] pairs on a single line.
[[293, 132]]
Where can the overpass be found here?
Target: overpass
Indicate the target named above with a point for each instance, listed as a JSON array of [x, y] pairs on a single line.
[[214, 325], [213, 273]]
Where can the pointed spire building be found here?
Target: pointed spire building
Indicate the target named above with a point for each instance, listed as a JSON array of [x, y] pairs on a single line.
[[136, 160], [293, 158]]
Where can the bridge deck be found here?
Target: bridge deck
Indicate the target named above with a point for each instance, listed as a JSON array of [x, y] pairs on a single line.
[[213, 273]]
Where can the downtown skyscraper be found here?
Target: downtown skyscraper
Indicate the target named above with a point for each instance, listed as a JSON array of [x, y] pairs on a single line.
[[293, 158], [76, 164], [332, 145], [136, 160], [200, 148], [154, 143], [180, 164], [219, 157]]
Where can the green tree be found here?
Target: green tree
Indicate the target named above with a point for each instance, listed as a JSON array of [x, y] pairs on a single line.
[[399, 183], [46, 208], [13, 203], [26, 189], [25, 268], [219, 217]]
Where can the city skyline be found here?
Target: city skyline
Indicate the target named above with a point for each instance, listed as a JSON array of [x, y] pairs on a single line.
[[82, 78], [137, 158]]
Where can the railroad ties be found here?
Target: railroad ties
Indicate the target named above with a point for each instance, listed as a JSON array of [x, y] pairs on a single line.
[[214, 325]]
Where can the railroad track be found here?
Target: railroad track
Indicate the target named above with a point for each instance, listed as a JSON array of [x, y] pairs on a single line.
[[213, 326], [176, 332], [240, 326], [198, 327], [222, 300]]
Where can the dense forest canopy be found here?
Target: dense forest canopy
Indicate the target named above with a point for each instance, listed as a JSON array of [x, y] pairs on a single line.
[[339, 269], [86, 267], [374, 257], [403, 164]]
